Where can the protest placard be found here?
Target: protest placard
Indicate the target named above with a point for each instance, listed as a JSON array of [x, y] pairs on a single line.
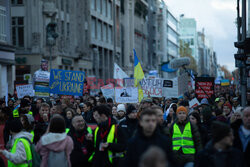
[[41, 83], [126, 95], [152, 87], [24, 90], [66, 82], [108, 91], [205, 83], [171, 90], [194, 103]]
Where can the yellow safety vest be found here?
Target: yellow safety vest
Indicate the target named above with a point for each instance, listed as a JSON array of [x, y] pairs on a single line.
[[16, 113], [28, 162], [33, 135], [110, 139], [183, 140]]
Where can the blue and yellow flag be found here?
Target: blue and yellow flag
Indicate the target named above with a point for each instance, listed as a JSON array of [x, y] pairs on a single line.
[[138, 76]]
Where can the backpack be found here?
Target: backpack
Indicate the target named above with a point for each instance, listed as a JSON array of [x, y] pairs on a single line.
[[57, 159], [36, 159]]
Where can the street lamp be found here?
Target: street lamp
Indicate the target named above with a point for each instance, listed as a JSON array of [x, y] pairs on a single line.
[[51, 38]]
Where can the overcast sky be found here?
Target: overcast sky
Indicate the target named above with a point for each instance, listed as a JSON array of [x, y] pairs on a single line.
[[218, 19]]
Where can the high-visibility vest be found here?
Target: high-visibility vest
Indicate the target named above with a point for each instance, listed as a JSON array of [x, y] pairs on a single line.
[[28, 161], [110, 139], [33, 135], [16, 113], [183, 140]]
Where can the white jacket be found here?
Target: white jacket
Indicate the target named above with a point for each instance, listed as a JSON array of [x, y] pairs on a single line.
[[20, 155]]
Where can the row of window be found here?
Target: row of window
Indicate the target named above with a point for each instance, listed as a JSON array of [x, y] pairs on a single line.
[[104, 7], [101, 31], [3, 17]]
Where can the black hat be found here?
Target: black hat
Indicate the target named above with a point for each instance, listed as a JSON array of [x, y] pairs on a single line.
[[24, 103], [16, 126], [220, 130], [184, 103], [131, 108]]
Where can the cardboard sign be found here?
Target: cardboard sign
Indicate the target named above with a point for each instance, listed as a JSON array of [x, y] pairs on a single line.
[[41, 83], [126, 95], [152, 87], [207, 83], [194, 103], [108, 91], [24, 90], [66, 82], [172, 92]]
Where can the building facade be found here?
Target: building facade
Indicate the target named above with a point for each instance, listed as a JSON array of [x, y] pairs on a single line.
[[168, 36], [7, 51], [188, 34], [29, 21]]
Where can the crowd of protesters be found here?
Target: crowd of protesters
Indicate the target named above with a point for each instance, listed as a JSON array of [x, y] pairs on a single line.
[[95, 131]]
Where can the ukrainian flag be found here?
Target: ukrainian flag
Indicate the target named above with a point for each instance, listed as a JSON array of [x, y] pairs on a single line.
[[138, 76]]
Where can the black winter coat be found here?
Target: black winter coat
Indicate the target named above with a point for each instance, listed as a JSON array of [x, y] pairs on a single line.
[[129, 126], [100, 158], [82, 148], [210, 157], [140, 143], [237, 141]]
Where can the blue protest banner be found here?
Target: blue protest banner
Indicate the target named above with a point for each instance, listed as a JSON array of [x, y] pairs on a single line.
[[66, 82]]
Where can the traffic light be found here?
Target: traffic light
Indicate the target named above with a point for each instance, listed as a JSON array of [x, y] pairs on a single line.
[[244, 45], [51, 31]]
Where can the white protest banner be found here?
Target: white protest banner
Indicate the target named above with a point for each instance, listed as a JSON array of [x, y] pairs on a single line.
[[194, 103], [108, 91], [152, 87], [24, 90], [171, 89], [119, 73], [129, 82], [126, 95]]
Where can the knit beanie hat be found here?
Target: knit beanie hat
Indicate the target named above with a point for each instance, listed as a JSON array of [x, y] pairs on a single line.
[[121, 107], [16, 126], [228, 105], [181, 108], [220, 130], [131, 108]]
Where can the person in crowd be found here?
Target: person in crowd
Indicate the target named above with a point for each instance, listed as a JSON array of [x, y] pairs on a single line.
[[207, 118], [92, 100], [109, 140], [11, 103], [219, 151], [162, 124], [236, 104], [68, 118], [28, 124], [20, 153], [154, 157], [147, 135], [81, 106], [55, 142], [102, 100], [169, 116], [44, 109], [220, 116], [121, 112], [227, 111], [24, 108], [167, 103], [82, 137], [241, 129], [35, 108], [110, 102], [88, 113], [204, 103], [195, 119], [185, 104], [185, 137], [114, 112], [237, 115], [130, 123]]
